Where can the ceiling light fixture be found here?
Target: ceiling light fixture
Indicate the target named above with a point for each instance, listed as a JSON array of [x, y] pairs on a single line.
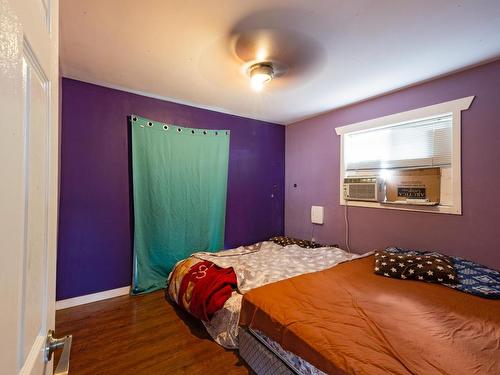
[[260, 74]]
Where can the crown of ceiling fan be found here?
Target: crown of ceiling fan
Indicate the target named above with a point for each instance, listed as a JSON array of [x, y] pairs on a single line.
[[281, 55], [263, 52]]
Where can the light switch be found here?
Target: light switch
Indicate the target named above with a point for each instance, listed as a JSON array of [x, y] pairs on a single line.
[[317, 214]]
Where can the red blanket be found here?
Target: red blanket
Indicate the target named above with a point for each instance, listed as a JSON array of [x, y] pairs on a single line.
[[205, 288]]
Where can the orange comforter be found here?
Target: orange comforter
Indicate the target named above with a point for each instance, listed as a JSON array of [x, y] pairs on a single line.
[[346, 319]]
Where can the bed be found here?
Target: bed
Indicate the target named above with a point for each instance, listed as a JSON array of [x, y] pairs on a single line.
[[255, 265], [296, 310], [346, 319]]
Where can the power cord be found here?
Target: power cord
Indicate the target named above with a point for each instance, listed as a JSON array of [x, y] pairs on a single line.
[[346, 217]]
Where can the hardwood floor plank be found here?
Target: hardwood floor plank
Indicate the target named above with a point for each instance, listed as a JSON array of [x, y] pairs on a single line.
[[141, 335]]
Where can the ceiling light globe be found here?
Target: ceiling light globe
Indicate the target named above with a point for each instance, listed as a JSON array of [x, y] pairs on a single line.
[[260, 74]]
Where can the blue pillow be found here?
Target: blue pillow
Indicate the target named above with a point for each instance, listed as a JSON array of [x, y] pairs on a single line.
[[473, 278]]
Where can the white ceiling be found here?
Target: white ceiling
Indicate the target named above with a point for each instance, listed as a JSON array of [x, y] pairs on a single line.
[[343, 51]]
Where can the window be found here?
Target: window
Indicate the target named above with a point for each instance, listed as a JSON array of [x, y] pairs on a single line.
[[424, 137]]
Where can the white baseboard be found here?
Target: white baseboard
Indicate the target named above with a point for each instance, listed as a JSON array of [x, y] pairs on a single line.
[[82, 300]]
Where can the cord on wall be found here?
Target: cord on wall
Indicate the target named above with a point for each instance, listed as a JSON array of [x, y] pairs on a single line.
[[346, 217], [312, 233]]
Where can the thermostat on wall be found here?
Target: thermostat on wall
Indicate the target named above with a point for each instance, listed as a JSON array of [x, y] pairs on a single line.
[[317, 214]]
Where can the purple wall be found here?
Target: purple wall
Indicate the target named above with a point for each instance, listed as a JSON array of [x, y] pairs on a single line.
[[95, 252], [312, 162]]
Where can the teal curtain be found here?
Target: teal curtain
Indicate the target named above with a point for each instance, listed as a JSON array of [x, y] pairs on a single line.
[[179, 191]]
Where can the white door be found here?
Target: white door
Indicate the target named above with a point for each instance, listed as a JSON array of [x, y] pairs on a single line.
[[29, 170]]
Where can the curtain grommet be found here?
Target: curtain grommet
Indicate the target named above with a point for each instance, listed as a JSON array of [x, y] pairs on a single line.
[[179, 129], [150, 124], [165, 127]]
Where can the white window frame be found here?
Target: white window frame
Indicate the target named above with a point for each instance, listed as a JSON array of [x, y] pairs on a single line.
[[455, 107]]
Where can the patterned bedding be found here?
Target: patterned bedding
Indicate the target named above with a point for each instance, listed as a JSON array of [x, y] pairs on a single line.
[[257, 265], [267, 262], [201, 287], [473, 278]]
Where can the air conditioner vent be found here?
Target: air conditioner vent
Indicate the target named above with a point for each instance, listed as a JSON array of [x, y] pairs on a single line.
[[364, 189]]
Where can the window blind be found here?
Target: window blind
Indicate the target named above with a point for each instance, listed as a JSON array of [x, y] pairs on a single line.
[[423, 143]]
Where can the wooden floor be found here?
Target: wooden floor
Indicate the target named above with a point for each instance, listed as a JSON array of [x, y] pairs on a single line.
[[141, 335]]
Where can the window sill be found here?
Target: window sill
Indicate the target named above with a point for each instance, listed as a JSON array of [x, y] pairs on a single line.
[[450, 210]]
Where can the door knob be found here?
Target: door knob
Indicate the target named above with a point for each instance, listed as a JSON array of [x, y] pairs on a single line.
[[52, 344]]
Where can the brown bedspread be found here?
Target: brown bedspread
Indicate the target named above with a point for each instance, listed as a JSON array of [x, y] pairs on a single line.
[[347, 319]]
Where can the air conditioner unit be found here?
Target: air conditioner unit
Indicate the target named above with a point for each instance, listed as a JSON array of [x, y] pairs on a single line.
[[370, 189]]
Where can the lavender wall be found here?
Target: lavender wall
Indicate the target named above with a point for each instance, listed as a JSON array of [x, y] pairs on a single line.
[[312, 162], [95, 250]]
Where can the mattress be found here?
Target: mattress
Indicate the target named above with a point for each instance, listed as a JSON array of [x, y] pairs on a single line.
[[265, 356], [260, 358], [346, 319]]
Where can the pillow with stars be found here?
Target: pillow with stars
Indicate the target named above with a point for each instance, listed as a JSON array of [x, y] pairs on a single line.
[[430, 268]]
